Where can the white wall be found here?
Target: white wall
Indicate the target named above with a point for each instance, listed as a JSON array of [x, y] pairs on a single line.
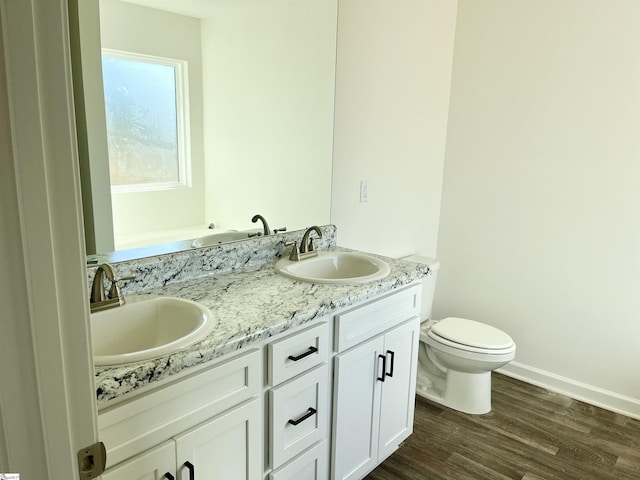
[[149, 31], [392, 96], [269, 72], [540, 221]]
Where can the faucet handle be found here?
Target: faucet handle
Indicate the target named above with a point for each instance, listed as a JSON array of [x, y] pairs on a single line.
[[114, 289], [282, 229], [295, 253], [128, 277]]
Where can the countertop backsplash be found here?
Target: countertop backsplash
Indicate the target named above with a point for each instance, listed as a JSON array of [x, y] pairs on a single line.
[[161, 270]]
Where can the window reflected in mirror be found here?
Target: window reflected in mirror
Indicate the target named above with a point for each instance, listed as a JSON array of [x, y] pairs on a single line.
[[145, 98]]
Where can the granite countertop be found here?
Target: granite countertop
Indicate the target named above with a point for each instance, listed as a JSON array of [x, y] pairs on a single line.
[[249, 304]]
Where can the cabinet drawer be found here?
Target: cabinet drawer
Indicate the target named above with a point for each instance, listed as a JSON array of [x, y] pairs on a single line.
[[310, 465], [136, 425], [364, 322], [298, 415], [298, 353]]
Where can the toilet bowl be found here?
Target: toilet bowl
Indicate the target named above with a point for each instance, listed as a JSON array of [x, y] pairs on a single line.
[[457, 355], [457, 358]]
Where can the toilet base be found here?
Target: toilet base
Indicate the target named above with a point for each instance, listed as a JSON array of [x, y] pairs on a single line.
[[465, 392]]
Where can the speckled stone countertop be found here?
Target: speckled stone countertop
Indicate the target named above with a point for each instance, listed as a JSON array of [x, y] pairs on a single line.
[[249, 304]]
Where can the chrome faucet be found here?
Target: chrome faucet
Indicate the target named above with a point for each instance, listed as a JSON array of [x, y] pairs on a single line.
[[265, 226], [100, 299], [307, 249]]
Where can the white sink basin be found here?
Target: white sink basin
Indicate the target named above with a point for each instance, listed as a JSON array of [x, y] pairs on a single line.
[[216, 238], [144, 329], [346, 268]]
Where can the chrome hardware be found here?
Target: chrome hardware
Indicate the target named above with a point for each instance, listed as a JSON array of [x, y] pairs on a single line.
[[100, 299], [265, 226]]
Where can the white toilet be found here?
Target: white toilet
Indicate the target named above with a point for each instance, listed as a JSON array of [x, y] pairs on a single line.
[[457, 355]]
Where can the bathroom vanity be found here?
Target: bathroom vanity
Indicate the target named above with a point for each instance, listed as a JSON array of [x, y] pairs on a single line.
[[297, 381]]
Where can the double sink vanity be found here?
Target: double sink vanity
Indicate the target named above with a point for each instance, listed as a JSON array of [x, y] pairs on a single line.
[[235, 362]]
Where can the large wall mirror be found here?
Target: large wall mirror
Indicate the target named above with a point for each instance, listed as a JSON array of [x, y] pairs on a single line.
[[258, 78]]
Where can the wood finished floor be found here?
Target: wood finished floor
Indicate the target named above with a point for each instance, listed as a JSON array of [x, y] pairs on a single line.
[[531, 434]]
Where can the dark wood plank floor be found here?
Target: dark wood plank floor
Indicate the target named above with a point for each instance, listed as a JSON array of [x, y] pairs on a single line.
[[531, 434]]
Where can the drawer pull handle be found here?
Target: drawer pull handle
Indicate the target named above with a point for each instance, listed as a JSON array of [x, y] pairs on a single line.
[[192, 470], [168, 476], [311, 412], [302, 355], [393, 362], [384, 367]]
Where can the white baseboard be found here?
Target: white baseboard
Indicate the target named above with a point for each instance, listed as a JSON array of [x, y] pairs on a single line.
[[580, 391]]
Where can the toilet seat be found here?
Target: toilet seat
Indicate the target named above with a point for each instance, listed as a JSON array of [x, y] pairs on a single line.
[[471, 336]]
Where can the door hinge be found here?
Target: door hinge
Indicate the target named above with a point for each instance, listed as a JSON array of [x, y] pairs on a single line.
[[91, 461]]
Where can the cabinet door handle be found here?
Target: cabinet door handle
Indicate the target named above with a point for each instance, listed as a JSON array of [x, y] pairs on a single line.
[[168, 476], [393, 362], [312, 411], [311, 350], [384, 366], [192, 470]]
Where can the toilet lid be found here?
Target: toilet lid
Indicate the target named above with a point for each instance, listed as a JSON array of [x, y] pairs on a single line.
[[472, 333]]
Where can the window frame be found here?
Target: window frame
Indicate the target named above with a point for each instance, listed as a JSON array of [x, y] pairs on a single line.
[[182, 120]]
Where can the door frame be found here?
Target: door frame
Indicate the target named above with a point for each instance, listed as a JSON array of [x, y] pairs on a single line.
[[51, 271]]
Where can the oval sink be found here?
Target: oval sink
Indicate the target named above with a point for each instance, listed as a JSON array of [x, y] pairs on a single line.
[[346, 268], [146, 329], [222, 237]]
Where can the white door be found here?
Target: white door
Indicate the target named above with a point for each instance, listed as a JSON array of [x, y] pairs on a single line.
[[356, 410], [228, 446], [158, 463], [398, 391]]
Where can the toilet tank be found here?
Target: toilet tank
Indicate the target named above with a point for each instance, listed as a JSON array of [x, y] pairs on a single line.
[[428, 283]]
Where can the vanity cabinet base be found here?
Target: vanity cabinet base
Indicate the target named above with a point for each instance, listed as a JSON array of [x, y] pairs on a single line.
[[374, 382], [310, 413]]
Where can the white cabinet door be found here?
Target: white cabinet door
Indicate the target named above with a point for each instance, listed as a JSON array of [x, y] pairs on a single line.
[[374, 395], [356, 410], [228, 446], [158, 463], [399, 388]]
